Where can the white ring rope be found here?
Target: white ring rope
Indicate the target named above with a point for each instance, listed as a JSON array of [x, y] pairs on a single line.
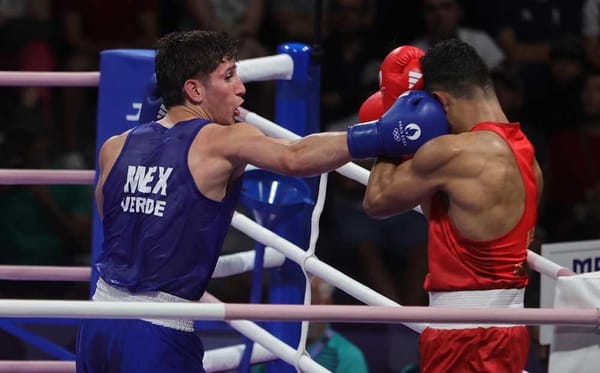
[[294, 312], [41, 366], [310, 252], [227, 265], [49, 79], [215, 360], [314, 265], [228, 358], [350, 170], [267, 340], [47, 176], [233, 264], [279, 66], [546, 267]]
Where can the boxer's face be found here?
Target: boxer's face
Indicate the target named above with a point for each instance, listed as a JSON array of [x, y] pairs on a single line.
[[221, 93]]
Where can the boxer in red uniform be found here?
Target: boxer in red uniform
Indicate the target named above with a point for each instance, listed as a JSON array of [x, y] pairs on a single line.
[[478, 188]]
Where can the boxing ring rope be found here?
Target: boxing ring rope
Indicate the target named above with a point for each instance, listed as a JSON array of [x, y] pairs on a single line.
[[49, 79], [292, 312], [280, 66], [267, 340], [218, 359], [227, 265], [215, 360], [546, 267], [31, 177], [310, 253], [350, 170], [39, 366]]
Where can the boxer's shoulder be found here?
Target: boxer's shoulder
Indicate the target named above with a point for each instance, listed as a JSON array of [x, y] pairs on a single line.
[[486, 143], [114, 144], [438, 153]]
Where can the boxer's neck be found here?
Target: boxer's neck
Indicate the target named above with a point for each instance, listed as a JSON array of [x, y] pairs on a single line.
[[469, 112], [181, 113]]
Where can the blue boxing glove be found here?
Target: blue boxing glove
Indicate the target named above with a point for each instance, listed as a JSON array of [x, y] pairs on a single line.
[[415, 118], [152, 106]]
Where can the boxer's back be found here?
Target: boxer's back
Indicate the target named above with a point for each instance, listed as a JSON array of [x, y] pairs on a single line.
[[486, 199], [482, 219]]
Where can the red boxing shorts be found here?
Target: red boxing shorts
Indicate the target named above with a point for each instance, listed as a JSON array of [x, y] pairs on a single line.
[[484, 349]]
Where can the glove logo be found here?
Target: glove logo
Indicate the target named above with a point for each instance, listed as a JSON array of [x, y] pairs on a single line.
[[413, 131], [397, 135], [413, 78]]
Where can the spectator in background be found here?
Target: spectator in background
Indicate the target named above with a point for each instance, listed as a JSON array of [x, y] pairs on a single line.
[[590, 29], [39, 225], [241, 19], [442, 21], [574, 177], [346, 58], [560, 87], [326, 346], [294, 20], [526, 31], [529, 26], [92, 26], [26, 44], [509, 89]]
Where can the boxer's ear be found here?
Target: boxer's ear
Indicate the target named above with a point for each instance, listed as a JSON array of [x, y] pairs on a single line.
[[193, 90], [443, 99]]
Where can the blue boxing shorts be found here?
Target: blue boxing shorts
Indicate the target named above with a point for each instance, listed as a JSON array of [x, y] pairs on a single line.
[[169, 346], [136, 346]]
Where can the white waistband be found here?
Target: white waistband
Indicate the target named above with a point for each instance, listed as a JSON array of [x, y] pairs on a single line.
[[108, 293], [495, 298]]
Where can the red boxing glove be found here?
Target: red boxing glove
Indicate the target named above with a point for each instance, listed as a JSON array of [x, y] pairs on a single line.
[[400, 71], [372, 108]]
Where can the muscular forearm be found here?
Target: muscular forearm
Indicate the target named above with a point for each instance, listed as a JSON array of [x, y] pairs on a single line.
[[318, 153], [382, 174]]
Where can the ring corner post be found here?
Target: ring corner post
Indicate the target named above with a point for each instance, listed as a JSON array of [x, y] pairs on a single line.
[[124, 75], [297, 109]]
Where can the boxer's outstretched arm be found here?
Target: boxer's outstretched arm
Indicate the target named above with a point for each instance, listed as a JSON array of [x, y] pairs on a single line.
[[393, 189], [309, 156]]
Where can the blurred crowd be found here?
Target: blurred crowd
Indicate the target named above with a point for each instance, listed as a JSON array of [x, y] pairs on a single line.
[[544, 56]]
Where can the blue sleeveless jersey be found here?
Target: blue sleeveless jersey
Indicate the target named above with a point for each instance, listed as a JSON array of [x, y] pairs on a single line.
[[160, 232]]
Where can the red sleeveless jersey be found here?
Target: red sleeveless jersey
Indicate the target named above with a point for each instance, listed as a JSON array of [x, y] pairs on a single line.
[[457, 263]]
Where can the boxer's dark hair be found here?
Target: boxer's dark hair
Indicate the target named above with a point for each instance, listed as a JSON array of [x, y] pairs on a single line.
[[455, 67], [184, 55]]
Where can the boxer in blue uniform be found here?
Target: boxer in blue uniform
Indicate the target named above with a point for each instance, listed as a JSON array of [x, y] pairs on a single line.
[[166, 193]]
